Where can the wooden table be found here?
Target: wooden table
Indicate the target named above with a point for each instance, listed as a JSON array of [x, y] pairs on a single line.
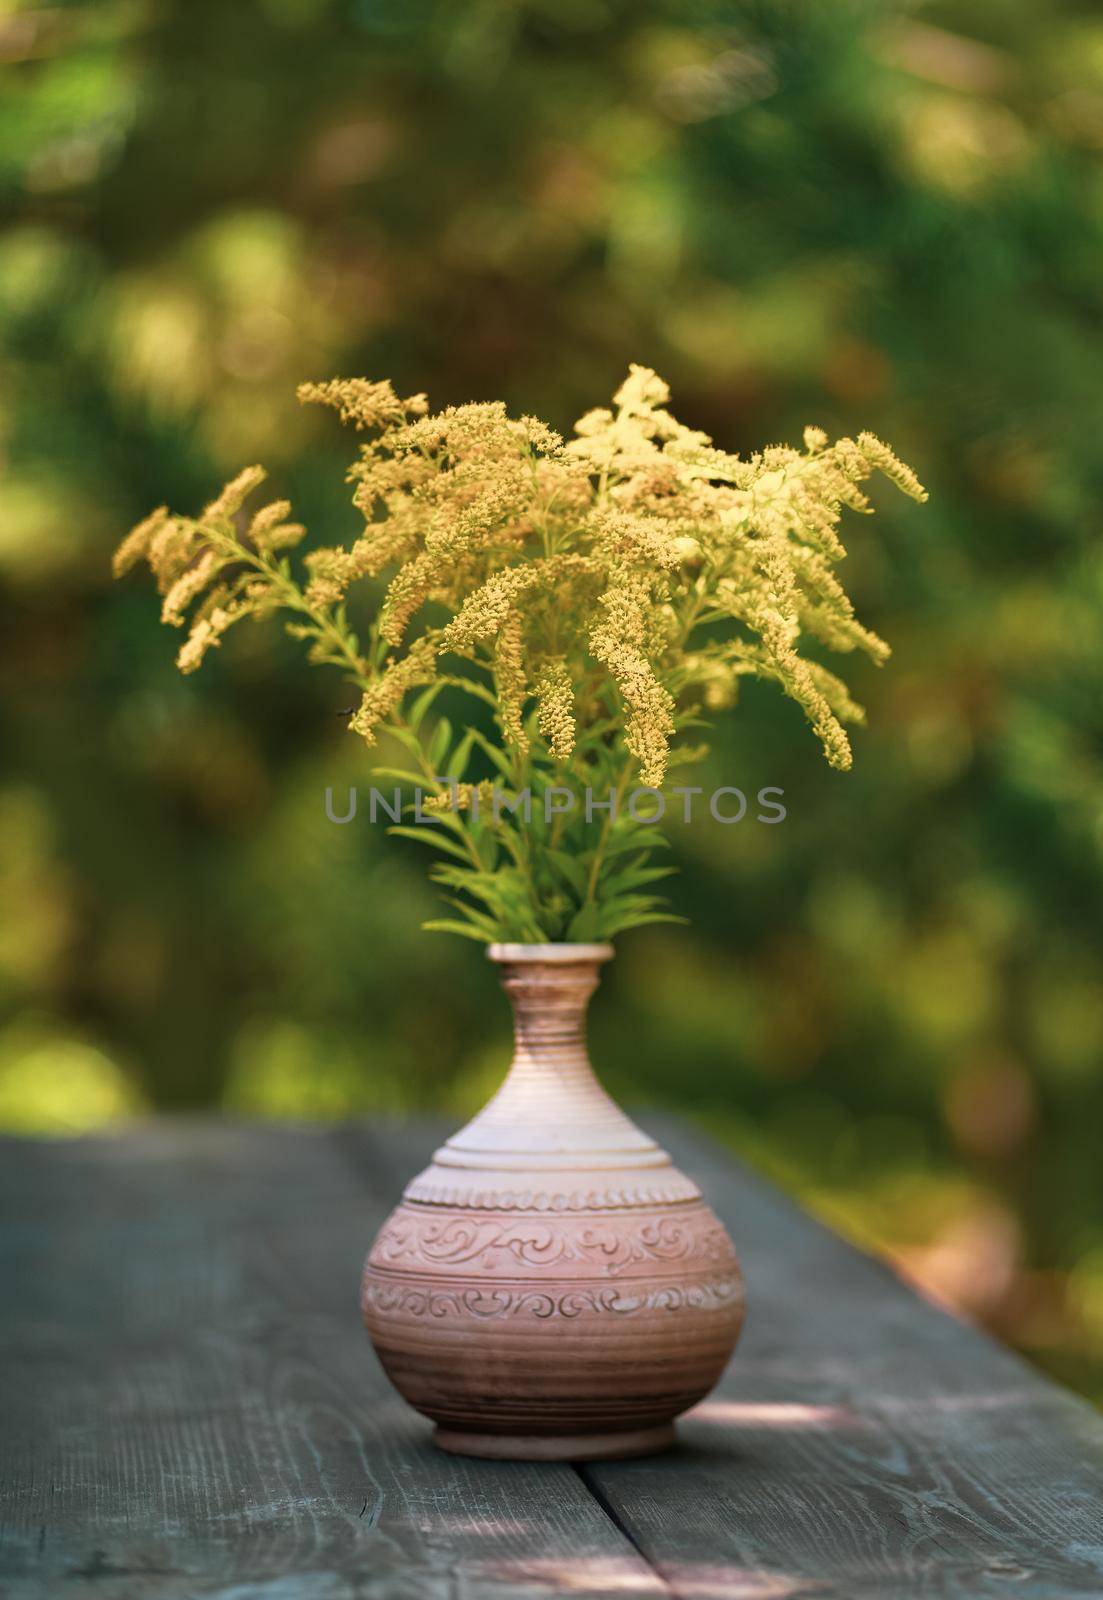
[[190, 1407]]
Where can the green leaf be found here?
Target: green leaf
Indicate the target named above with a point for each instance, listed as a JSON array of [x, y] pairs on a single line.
[[495, 890], [430, 836], [438, 744], [469, 686], [570, 869], [636, 837], [416, 780], [464, 929], [484, 841], [453, 821], [636, 877], [625, 911], [509, 837], [422, 703], [476, 918], [490, 749], [640, 920], [406, 738], [584, 927], [461, 755]]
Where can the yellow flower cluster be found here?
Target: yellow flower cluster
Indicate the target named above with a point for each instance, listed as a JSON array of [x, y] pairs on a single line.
[[204, 559], [637, 571], [477, 797], [364, 404], [509, 677], [386, 692], [618, 642], [555, 709]]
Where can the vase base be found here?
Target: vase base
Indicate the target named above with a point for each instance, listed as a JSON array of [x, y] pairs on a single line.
[[566, 1447]]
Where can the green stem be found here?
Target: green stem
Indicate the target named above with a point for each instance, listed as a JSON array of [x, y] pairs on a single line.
[[398, 721], [293, 599], [603, 837]]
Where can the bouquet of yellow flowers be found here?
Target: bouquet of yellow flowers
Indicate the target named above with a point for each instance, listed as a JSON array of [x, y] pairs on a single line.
[[596, 599]]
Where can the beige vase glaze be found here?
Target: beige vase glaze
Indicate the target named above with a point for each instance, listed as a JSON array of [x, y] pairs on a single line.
[[551, 1286]]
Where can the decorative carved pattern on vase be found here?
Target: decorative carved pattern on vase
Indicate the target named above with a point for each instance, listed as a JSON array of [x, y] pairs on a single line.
[[487, 1304], [493, 1244]]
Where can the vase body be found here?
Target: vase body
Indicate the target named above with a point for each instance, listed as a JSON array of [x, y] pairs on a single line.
[[551, 1286]]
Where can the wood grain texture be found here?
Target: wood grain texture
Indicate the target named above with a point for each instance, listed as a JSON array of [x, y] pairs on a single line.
[[190, 1406], [863, 1445]]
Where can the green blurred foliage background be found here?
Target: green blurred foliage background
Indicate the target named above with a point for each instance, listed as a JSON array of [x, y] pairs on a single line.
[[856, 215]]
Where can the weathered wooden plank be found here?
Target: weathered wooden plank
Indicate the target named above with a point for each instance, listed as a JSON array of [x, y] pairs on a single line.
[[190, 1407], [864, 1445]]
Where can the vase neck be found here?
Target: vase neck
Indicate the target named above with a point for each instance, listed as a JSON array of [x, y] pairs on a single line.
[[550, 1111], [549, 1021]]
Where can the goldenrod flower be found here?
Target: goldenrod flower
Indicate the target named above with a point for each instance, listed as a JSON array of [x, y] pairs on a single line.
[[137, 542], [626, 580], [555, 709], [364, 404], [509, 680], [386, 693]]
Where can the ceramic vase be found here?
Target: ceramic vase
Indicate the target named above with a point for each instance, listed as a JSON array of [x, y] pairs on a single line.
[[551, 1286]]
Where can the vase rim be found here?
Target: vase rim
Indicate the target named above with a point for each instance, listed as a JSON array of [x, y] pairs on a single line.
[[550, 952]]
